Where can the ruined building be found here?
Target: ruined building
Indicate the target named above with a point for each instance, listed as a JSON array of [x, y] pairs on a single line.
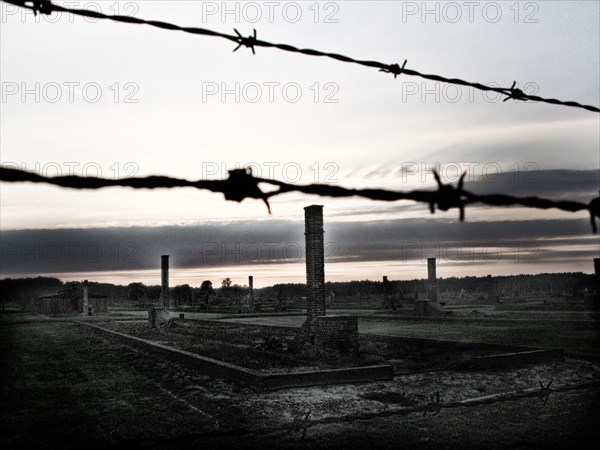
[[72, 301]]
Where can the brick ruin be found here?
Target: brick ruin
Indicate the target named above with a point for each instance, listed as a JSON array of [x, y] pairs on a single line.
[[76, 300], [322, 333]]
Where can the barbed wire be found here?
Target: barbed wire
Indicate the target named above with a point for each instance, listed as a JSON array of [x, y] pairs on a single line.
[[47, 7], [241, 184]]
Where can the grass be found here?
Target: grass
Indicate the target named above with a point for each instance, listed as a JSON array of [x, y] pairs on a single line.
[[49, 378], [275, 321], [235, 345], [63, 387], [581, 340], [575, 339]]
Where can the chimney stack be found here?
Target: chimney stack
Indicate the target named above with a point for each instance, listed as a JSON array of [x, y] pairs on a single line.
[[164, 282], [431, 279], [315, 262]]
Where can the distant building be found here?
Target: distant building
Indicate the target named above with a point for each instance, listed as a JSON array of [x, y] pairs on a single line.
[[70, 301]]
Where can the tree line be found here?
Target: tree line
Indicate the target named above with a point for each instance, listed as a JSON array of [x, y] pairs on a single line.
[[25, 290]]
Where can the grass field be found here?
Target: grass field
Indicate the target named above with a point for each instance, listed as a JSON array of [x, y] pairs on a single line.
[[577, 339], [52, 376], [63, 387]]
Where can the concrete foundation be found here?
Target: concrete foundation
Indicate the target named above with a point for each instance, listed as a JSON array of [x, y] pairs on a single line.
[[252, 378]]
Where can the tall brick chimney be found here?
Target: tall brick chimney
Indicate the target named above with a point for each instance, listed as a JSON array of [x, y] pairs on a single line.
[[164, 282], [322, 333], [431, 280], [315, 262]]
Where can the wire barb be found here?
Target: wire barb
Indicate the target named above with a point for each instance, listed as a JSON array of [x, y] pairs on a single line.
[[249, 41], [395, 69], [515, 93], [242, 184], [252, 42], [42, 7], [449, 196]]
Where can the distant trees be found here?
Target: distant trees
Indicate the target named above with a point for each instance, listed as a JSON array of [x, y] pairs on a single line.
[[206, 290], [182, 295], [137, 292], [26, 290], [23, 290], [232, 292], [206, 286], [288, 290]]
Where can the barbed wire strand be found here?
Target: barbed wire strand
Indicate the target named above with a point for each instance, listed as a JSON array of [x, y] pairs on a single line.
[[47, 7], [241, 184]]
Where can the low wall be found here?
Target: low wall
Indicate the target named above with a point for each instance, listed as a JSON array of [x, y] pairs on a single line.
[[248, 377], [439, 344], [335, 376], [511, 359], [478, 320]]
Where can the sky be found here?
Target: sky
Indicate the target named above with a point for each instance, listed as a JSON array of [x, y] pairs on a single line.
[[117, 100]]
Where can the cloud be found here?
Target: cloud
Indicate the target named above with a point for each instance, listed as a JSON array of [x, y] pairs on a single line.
[[576, 185], [281, 242]]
